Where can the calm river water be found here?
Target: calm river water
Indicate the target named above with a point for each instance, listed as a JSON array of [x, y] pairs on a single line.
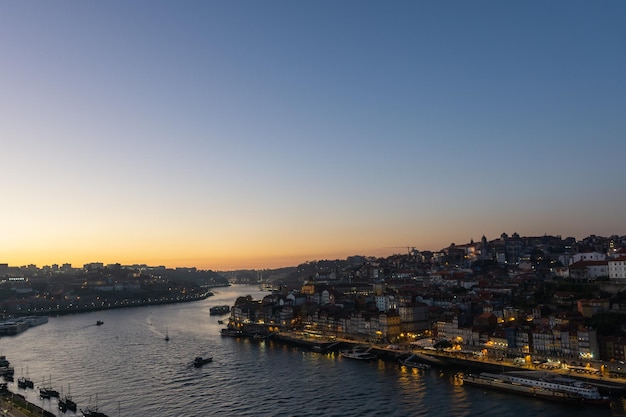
[[126, 368]]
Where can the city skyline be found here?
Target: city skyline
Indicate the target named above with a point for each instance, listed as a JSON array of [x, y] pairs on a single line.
[[254, 135], [586, 244]]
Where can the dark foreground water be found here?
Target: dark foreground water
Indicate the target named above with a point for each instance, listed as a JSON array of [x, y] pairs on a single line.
[[130, 370]]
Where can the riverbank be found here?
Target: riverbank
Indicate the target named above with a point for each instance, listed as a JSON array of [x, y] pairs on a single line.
[[125, 303], [615, 386], [15, 405]]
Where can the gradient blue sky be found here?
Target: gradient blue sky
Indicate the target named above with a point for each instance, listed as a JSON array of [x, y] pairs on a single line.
[[250, 134]]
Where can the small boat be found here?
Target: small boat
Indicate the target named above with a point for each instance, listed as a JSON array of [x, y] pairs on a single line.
[[199, 361], [359, 354], [7, 372], [167, 337], [70, 404], [92, 412], [66, 403], [43, 393], [21, 382], [219, 310], [99, 323], [47, 391], [231, 332], [410, 363], [324, 347], [62, 405]]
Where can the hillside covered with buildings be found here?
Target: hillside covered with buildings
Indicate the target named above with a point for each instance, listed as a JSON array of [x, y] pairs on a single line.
[[507, 297]]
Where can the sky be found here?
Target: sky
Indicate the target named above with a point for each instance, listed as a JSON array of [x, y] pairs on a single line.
[[260, 134]]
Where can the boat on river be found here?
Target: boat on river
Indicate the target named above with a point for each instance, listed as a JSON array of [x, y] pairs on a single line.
[[199, 361], [410, 362], [47, 392], [359, 354], [66, 402], [219, 310], [21, 382], [540, 385], [7, 371], [92, 412], [231, 332]]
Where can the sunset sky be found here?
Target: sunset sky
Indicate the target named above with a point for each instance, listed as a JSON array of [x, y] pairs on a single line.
[[259, 134]]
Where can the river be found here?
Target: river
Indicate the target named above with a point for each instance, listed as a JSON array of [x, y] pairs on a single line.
[[126, 368]]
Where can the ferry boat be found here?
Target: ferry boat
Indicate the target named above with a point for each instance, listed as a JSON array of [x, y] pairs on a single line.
[[540, 385]]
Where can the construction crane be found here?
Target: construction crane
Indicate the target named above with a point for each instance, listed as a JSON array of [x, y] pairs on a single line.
[[409, 249]]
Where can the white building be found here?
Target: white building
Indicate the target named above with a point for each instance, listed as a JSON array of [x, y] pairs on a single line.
[[617, 269], [587, 256], [588, 269]]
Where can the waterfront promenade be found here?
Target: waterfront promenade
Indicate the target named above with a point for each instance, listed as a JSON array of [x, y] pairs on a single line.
[[604, 379], [15, 406]]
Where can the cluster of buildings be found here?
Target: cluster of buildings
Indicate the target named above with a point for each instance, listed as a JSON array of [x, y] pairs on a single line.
[[30, 290], [504, 298]]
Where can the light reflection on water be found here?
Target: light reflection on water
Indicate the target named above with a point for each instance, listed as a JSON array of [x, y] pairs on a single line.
[[132, 370]]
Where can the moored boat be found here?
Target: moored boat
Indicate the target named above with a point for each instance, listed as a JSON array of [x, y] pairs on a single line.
[[66, 402], [92, 412], [7, 370], [540, 385], [43, 393], [359, 354], [70, 404], [231, 332], [410, 363], [219, 310], [324, 347]]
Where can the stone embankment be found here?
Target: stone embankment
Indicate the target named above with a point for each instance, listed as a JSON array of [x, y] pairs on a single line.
[[446, 359]]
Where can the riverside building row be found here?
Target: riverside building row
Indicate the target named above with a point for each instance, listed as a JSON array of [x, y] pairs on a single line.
[[408, 314]]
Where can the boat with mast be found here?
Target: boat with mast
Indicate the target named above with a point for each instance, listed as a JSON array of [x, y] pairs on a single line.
[[66, 402], [47, 392], [92, 411], [28, 381], [24, 382]]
